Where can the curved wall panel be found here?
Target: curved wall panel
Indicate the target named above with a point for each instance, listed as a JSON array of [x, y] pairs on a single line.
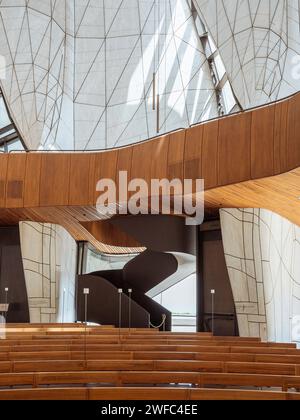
[[49, 260], [85, 75], [259, 44], [263, 259]]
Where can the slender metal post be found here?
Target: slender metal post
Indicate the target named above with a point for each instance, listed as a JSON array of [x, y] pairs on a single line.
[[63, 308], [129, 310], [157, 113], [86, 292], [6, 302], [154, 91], [213, 292], [120, 291]]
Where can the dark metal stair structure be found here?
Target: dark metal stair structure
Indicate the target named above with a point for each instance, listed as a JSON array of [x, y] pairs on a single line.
[[140, 274]]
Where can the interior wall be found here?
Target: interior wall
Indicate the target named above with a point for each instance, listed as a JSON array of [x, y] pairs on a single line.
[[161, 233], [49, 258], [263, 259], [212, 274], [12, 275]]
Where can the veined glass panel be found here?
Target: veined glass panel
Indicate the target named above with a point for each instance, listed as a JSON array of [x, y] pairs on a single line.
[[228, 98], [212, 44], [100, 262], [15, 145], [7, 133], [219, 67], [180, 299], [4, 118]]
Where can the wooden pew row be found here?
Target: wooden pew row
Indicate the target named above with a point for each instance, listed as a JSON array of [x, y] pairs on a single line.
[[97, 330], [133, 340], [52, 324], [149, 378], [146, 394], [258, 368], [154, 342], [128, 336], [10, 332], [107, 345], [146, 347], [150, 355], [133, 336]]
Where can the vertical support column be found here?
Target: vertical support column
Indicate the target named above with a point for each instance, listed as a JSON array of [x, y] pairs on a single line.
[[120, 291], [129, 309], [157, 114], [200, 281], [63, 305], [213, 311], [6, 303]]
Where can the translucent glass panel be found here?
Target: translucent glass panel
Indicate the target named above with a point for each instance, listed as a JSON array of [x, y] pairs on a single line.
[[80, 74], [180, 299], [4, 118], [228, 97], [9, 140], [15, 146], [259, 44], [100, 262]]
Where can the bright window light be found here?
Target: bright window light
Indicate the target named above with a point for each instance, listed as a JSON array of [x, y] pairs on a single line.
[[228, 98]]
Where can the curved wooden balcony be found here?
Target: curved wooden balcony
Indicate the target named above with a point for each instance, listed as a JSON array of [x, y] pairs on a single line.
[[245, 160]]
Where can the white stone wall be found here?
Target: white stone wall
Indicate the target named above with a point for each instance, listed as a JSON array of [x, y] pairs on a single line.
[[49, 258], [262, 252]]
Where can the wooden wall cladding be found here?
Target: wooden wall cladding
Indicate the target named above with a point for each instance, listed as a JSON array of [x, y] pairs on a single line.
[[79, 179], [249, 145], [193, 153], [104, 165], [293, 133], [159, 158], [176, 155], [262, 142], [234, 151], [32, 180], [124, 163], [3, 178], [55, 179], [280, 138], [16, 170], [108, 234], [210, 154], [142, 160]]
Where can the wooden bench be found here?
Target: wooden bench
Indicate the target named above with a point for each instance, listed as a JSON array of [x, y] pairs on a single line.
[[145, 378], [155, 342], [58, 346], [149, 365], [150, 355], [107, 394]]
